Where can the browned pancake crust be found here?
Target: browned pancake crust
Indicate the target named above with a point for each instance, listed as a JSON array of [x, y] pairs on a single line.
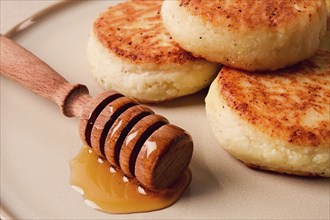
[[251, 14], [292, 104], [134, 31]]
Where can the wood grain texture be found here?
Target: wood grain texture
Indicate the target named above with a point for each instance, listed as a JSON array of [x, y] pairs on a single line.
[[164, 157], [90, 113], [105, 121], [37, 76], [108, 119], [119, 130], [132, 142]]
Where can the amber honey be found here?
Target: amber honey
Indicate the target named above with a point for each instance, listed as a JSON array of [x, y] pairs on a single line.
[[109, 190]]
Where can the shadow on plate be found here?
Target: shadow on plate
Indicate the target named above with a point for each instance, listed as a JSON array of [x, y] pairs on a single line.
[[196, 99]]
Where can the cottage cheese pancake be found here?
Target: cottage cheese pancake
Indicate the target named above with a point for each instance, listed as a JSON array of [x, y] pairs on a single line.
[[277, 120], [250, 35], [328, 14], [130, 51]]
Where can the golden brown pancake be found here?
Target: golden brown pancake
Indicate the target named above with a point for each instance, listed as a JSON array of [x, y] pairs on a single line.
[[134, 32], [275, 120], [130, 51], [284, 103], [247, 34], [243, 14]]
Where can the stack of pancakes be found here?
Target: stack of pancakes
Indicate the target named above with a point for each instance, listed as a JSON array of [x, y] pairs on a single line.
[[269, 105]]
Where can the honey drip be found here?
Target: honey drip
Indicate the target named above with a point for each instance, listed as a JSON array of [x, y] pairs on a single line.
[[109, 190]]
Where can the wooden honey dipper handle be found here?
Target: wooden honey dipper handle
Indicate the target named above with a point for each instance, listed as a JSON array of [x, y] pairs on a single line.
[[37, 76]]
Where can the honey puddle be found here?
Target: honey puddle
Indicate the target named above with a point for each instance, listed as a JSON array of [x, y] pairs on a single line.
[[109, 190]]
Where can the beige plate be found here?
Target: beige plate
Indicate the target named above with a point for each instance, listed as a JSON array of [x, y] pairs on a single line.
[[37, 143]]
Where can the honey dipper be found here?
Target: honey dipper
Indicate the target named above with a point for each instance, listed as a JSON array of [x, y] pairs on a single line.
[[129, 135]]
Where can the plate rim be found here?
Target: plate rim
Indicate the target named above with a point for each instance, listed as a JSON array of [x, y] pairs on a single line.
[[39, 15], [21, 26]]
